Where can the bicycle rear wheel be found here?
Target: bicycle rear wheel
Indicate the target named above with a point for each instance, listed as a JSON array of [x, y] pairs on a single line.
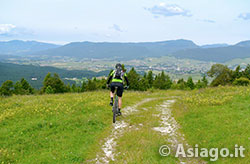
[[115, 109], [114, 116]]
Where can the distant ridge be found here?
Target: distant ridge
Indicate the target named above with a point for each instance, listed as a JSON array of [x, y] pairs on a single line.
[[114, 50], [219, 54], [19, 47], [119, 50], [215, 45], [243, 44]]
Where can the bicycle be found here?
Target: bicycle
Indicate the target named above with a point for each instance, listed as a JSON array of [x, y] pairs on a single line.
[[115, 104]]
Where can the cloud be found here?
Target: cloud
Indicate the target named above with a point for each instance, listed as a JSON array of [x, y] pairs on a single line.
[[10, 30], [6, 28], [116, 28], [245, 16], [206, 20], [168, 10]]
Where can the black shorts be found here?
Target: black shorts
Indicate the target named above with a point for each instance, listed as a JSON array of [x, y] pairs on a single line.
[[119, 89]]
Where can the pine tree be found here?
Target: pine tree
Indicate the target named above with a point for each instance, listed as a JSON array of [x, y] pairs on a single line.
[[54, 82], [133, 78], [190, 83], [157, 82], [204, 81], [26, 86], [73, 88], [58, 84], [7, 88], [181, 84], [150, 78], [91, 85], [18, 88], [84, 86], [199, 85], [168, 82], [246, 72], [143, 84], [162, 81], [67, 88]]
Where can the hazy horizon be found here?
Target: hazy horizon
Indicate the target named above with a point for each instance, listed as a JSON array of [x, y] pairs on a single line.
[[64, 43]]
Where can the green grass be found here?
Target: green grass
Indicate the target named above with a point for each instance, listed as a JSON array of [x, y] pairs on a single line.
[[217, 117], [61, 128], [71, 128]]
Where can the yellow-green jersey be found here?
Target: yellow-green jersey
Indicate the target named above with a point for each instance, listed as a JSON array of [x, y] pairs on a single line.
[[117, 76]]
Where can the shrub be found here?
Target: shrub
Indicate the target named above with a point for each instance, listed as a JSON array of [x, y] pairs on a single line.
[[242, 81], [190, 83], [54, 82], [7, 88], [22, 87]]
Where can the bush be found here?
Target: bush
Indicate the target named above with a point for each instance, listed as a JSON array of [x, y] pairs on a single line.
[[54, 82], [242, 81], [91, 85], [133, 78], [223, 75], [190, 83], [162, 81], [7, 88], [22, 87]]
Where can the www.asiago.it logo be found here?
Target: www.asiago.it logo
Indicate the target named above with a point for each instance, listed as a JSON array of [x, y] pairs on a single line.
[[213, 153]]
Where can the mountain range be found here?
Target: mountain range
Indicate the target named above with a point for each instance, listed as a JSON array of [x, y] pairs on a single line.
[[220, 54], [18, 47], [118, 50], [177, 48]]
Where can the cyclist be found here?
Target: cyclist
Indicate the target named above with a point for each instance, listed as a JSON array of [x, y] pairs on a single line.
[[117, 77]]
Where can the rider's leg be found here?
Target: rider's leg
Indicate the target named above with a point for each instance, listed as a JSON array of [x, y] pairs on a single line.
[[119, 94], [119, 102], [111, 98], [111, 94]]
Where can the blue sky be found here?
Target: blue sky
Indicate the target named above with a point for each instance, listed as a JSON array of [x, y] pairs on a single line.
[[63, 21]]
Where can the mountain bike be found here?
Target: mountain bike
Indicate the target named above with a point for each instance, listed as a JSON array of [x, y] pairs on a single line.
[[115, 109]]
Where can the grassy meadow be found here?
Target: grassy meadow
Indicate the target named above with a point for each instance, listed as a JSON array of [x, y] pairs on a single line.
[[216, 118], [70, 128], [60, 128]]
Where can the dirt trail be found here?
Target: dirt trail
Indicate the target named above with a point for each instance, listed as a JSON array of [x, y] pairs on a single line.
[[108, 147], [168, 127]]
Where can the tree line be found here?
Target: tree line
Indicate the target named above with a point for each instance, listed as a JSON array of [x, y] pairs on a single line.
[[52, 83], [224, 76]]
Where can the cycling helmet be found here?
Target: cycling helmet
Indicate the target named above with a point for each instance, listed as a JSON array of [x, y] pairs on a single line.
[[118, 65]]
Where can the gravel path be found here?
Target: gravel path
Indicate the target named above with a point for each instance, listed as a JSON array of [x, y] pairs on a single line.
[[170, 127], [108, 148]]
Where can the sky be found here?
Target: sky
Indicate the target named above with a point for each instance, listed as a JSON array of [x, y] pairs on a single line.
[[64, 21]]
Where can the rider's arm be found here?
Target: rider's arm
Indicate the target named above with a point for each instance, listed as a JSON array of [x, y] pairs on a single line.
[[126, 79], [110, 77]]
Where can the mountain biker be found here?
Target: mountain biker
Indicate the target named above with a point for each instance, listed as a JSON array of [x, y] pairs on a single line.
[[117, 77]]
